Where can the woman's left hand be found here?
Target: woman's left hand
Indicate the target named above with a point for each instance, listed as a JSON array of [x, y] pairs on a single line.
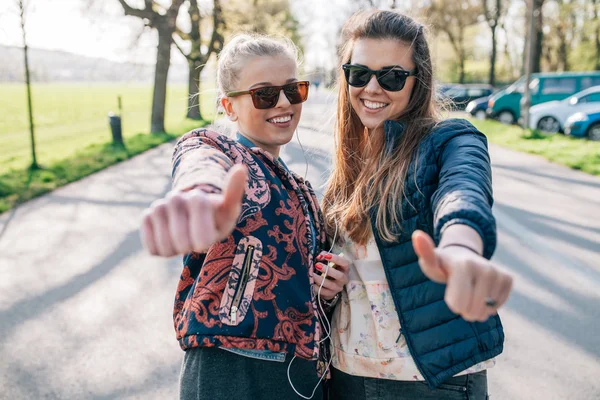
[[336, 277], [476, 287]]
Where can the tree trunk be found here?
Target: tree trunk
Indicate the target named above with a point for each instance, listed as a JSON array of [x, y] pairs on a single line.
[[459, 51], [597, 35], [161, 73], [563, 54], [461, 67], [34, 163], [194, 63], [492, 79], [525, 44], [561, 32], [507, 54], [193, 111], [548, 51], [539, 26], [462, 53], [493, 19], [165, 25]]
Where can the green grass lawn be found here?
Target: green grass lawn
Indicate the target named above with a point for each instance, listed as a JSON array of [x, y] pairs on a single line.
[[576, 153], [72, 134], [70, 117]]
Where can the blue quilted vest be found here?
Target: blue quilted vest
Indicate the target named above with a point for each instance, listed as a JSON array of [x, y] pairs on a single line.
[[448, 183]]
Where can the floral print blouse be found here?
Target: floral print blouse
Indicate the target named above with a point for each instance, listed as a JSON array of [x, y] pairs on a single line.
[[365, 336]]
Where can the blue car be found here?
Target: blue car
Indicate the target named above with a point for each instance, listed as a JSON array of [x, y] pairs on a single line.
[[584, 125], [477, 107]]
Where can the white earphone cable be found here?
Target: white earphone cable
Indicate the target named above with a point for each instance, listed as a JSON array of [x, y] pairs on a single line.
[[325, 323]]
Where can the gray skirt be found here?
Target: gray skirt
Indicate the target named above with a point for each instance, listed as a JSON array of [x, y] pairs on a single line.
[[210, 373]]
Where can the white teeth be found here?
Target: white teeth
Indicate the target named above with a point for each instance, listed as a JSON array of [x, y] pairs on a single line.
[[373, 105], [281, 120]]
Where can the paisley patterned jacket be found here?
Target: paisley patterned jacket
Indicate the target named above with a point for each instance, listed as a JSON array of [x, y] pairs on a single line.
[[253, 289]]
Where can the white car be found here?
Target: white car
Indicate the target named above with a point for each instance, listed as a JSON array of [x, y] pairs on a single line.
[[551, 116]]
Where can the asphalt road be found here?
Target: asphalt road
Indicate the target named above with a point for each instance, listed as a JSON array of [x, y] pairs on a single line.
[[86, 314]]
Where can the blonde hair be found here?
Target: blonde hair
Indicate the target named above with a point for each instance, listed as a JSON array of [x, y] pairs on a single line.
[[368, 173], [240, 49]]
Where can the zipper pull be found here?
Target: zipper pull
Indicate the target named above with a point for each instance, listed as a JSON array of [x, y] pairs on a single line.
[[399, 335], [233, 314]]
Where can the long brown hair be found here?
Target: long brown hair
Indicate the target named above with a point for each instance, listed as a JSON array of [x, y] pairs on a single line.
[[366, 172]]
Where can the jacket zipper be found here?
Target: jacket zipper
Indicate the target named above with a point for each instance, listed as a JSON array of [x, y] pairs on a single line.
[[243, 281]]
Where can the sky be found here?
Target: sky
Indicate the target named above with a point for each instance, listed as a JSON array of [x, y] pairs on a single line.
[[105, 32], [66, 25]]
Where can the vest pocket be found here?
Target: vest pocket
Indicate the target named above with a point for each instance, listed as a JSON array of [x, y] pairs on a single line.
[[239, 290]]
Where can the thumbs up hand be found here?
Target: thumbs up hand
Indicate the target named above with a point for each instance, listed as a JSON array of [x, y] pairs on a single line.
[[476, 287], [183, 222]]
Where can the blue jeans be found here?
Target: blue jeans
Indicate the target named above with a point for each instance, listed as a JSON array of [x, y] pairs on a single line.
[[349, 387], [209, 373]]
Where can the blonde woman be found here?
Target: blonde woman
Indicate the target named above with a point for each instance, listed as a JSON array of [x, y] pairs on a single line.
[[246, 310]]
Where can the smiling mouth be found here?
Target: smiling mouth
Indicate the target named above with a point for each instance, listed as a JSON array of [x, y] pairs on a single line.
[[374, 105], [281, 119]]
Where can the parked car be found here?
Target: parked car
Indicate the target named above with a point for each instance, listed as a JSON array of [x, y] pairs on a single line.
[[584, 125], [477, 108], [551, 116], [506, 104], [442, 88], [461, 95]]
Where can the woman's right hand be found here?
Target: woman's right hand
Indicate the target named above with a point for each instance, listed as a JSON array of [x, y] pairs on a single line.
[[189, 221], [331, 281]]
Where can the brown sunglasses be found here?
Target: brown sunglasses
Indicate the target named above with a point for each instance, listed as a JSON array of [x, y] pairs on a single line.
[[268, 96]]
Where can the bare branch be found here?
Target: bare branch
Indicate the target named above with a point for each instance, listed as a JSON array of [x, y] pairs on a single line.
[[135, 40], [181, 50], [217, 39], [195, 33], [175, 6], [136, 12], [183, 35]]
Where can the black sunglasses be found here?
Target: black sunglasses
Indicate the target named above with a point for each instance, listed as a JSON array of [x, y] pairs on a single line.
[[268, 96], [391, 79]]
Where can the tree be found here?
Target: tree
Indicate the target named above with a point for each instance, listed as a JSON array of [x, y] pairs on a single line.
[[562, 27], [596, 20], [197, 57], [227, 18], [492, 11], [164, 21], [453, 18], [569, 27], [539, 31], [588, 51], [539, 34], [22, 6], [272, 17]]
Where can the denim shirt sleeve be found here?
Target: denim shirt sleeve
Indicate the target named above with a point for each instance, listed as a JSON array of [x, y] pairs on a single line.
[[464, 194]]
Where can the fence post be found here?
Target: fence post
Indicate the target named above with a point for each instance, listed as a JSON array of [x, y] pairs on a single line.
[[116, 124]]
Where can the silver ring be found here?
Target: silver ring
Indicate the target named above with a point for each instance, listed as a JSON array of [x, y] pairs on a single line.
[[490, 302]]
